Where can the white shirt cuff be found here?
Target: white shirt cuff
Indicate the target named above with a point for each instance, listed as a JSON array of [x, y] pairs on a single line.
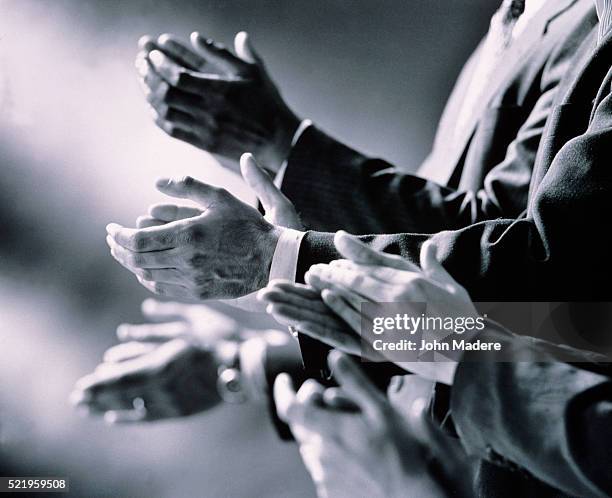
[[252, 354], [278, 180], [284, 266]]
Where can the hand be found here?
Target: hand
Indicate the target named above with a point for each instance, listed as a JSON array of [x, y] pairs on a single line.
[[300, 306], [197, 323], [368, 449], [144, 381], [369, 275], [215, 100], [223, 249]]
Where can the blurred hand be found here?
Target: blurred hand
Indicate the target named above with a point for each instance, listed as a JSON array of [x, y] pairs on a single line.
[[147, 381], [215, 100], [222, 249], [369, 450], [197, 323]]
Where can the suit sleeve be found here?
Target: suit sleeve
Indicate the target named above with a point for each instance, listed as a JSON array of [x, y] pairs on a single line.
[[323, 172], [551, 418], [557, 251]]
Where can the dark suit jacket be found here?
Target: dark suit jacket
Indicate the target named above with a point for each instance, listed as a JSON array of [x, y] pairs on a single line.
[[552, 418], [558, 249], [483, 172], [488, 169]]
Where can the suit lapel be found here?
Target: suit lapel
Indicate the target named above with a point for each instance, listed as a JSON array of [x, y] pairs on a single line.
[[455, 144]]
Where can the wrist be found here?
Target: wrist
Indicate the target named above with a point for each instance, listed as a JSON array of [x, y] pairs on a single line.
[[287, 124]]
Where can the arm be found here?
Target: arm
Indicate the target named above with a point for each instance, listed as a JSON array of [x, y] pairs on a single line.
[[549, 417], [557, 251], [323, 172]]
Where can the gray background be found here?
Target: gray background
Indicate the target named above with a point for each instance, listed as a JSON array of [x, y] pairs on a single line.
[[78, 150]]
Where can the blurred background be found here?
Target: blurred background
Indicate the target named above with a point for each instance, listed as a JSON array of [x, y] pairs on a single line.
[[78, 150]]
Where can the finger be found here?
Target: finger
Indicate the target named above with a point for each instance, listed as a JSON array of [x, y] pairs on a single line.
[[189, 188], [133, 260], [167, 116], [101, 401], [164, 275], [385, 274], [146, 43], [157, 91], [432, 267], [160, 311], [271, 198], [343, 340], [145, 239], [217, 54], [175, 131], [354, 382], [148, 221], [170, 290], [245, 50], [319, 276], [186, 79], [352, 298], [287, 286], [335, 397], [153, 86], [284, 395], [289, 314], [278, 296], [153, 332], [173, 47], [127, 351], [106, 390], [172, 212], [132, 416], [310, 392], [339, 306], [352, 248]]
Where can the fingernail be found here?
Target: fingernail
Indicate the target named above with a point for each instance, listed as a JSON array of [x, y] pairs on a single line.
[[163, 39], [328, 295], [156, 57], [335, 357], [122, 332]]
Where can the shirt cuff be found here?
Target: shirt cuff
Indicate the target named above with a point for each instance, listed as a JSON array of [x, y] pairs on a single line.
[[252, 354], [278, 180], [284, 266]]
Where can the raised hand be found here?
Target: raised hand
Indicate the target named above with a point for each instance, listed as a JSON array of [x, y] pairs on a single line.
[[217, 101], [224, 250]]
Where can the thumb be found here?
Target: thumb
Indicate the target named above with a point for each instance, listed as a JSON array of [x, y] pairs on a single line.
[[350, 247], [188, 188], [432, 267], [355, 384], [260, 183], [244, 49]]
